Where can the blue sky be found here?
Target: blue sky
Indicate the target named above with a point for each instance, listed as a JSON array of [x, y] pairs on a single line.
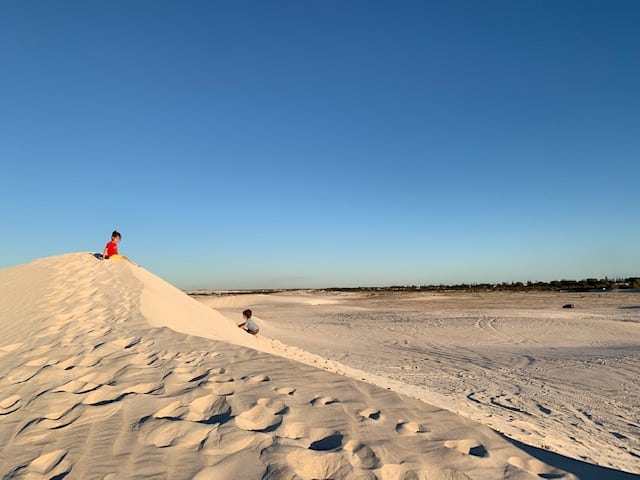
[[309, 144]]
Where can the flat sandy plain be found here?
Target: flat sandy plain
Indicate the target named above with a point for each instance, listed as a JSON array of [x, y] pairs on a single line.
[[563, 380]]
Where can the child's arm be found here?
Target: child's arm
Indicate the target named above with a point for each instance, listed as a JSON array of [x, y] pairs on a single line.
[[104, 253], [242, 325]]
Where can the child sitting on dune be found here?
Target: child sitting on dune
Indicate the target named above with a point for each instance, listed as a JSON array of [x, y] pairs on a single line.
[[248, 324], [111, 250]]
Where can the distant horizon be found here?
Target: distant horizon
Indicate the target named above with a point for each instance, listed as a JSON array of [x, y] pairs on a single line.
[[609, 277], [194, 291], [402, 286], [280, 144], [612, 278]]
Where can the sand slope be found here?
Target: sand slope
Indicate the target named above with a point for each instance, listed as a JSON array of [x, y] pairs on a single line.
[[93, 385]]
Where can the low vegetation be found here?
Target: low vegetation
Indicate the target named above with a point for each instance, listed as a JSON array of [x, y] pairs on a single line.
[[585, 285]]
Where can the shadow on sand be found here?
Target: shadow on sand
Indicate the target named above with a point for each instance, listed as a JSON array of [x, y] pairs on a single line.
[[582, 470]]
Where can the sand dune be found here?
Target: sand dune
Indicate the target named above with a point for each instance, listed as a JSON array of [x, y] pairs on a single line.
[[105, 373], [231, 301]]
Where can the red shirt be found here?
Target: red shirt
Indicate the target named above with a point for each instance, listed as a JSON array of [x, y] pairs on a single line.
[[112, 249]]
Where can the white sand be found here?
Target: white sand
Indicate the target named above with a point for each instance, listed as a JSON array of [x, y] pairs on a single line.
[[99, 380], [566, 380]]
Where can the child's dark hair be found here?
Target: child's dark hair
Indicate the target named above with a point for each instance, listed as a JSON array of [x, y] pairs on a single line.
[[116, 234], [247, 313]]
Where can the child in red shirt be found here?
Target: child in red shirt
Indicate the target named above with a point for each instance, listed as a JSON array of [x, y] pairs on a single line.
[[111, 250]]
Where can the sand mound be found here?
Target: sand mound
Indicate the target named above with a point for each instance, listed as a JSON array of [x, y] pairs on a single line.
[[93, 385], [260, 299]]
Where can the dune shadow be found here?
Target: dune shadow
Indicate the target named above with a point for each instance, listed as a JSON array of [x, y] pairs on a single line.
[[60, 477], [221, 419], [582, 470], [632, 307], [332, 442]]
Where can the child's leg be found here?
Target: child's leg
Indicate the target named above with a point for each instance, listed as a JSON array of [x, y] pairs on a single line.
[[122, 257]]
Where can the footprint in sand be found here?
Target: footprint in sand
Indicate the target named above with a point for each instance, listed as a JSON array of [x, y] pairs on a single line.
[[164, 433], [54, 420], [266, 416], [258, 419], [256, 378], [222, 378], [10, 404], [273, 405], [293, 430], [207, 409], [410, 428], [191, 374], [76, 386], [54, 411], [361, 455], [311, 464], [196, 358], [174, 410], [69, 340], [89, 361], [233, 449], [224, 389], [174, 388], [69, 363], [108, 394], [127, 342], [370, 414], [322, 401], [145, 359], [145, 388], [285, 390], [468, 447], [100, 333], [52, 465]]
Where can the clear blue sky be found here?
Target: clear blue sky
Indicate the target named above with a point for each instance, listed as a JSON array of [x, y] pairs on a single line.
[[327, 143]]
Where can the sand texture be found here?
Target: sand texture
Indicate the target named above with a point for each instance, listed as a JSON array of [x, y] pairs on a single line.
[[101, 379], [563, 380]]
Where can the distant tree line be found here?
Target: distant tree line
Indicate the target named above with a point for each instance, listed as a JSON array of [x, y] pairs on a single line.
[[585, 285]]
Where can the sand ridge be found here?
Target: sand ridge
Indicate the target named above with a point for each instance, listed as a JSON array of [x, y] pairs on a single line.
[[89, 388]]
